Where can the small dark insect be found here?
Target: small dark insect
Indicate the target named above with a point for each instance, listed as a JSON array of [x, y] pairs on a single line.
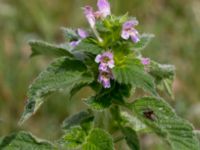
[[150, 115]]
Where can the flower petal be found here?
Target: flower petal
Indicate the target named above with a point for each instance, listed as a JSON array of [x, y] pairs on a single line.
[[98, 58], [82, 33], [74, 43], [104, 7], [135, 38], [89, 14], [125, 35], [145, 61], [130, 24]]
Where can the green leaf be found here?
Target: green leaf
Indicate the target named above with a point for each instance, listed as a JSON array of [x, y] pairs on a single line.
[[131, 71], [69, 34], [144, 41], [1, 139], [161, 118], [197, 132], [133, 122], [61, 74], [78, 119], [104, 98], [76, 88], [88, 46], [43, 48], [98, 102], [24, 141], [73, 138], [131, 138], [164, 76], [98, 139]]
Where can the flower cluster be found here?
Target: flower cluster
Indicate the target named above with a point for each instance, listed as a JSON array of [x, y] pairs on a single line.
[[106, 63], [82, 34], [105, 60], [102, 12]]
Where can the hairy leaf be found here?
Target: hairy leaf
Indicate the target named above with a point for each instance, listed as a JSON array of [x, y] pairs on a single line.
[[98, 139], [88, 46], [158, 115], [131, 138], [144, 41], [104, 98], [61, 74], [98, 102], [24, 141], [78, 119], [131, 71], [133, 122], [43, 48], [73, 138], [164, 76], [69, 34]]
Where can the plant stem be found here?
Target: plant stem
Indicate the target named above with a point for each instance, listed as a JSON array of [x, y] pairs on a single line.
[[119, 139], [97, 34]]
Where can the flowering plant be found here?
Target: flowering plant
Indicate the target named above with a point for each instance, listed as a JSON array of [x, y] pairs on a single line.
[[108, 59]]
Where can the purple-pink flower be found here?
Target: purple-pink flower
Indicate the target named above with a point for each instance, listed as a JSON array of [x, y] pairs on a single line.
[[103, 12], [106, 63], [105, 77], [89, 14], [129, 31], [145, 61], [74, 43], [104, 8], [82, 34]]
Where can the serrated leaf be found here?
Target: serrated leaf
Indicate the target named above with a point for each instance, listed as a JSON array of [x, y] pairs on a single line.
[[43, 48], [73, 138], [61, 74], [131, 71], [164, 76], [88, 46], [98, 139], [69, 34], [78, 119], [131, 138], [24, 141], [161, 118], [144, 41]]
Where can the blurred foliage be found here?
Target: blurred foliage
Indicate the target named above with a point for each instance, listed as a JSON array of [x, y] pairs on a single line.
[[175, 23]]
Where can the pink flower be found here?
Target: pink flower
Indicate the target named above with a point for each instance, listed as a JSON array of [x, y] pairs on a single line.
[[105, 77], [82, 34], [89, 14], [103, 12], [105, 60], [104, 8], [128, 31], [145, 61]]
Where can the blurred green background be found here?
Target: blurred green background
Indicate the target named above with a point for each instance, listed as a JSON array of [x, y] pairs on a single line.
[[176, 24]]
